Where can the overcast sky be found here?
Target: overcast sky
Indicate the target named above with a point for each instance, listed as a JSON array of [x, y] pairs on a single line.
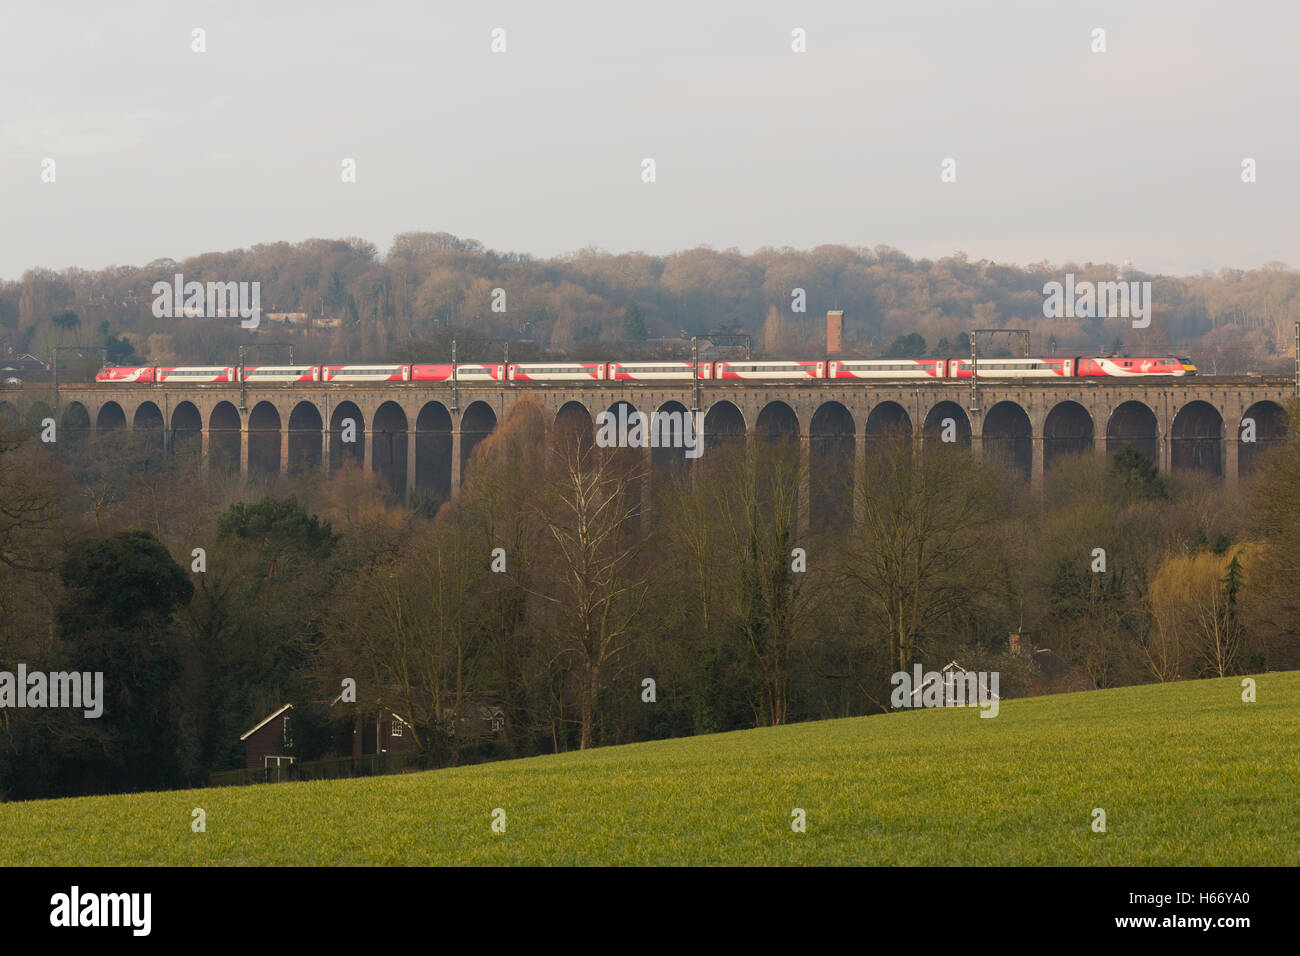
[[1061, 153]]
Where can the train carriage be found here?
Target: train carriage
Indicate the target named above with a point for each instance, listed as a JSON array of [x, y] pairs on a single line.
[[480, 373], [254, 374], [573, 372], [1014, 368], [430, 373], [887, 368], [365, 373], [769, 370], [657, 371], [196, 375]]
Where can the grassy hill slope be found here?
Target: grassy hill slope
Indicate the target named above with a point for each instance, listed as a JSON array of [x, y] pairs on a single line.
[[1186, 773]]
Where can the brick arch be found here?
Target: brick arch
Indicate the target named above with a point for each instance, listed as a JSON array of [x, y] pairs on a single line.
[[147, 420], [932, 425], [1268, 428], [305, 426], [832, 450], [388, 436], [434, 449], [1067, 428], [225, 424], [574, 423], [110, 416], [671, 425], [726, 429], [1007, 437], [349, 434], [185, 429], [266, 425], [777, 420], [74, 422], [477, 420], [1196, 438], [1136, 423]]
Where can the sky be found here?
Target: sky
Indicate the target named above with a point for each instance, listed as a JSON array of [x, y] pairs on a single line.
[[1060, 153]]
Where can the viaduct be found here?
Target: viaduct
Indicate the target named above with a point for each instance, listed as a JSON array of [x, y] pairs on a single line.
[[420, 436]]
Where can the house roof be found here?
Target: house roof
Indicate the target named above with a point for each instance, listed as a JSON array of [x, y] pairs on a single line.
[[1051, 665], [24, 363], [265, 722]]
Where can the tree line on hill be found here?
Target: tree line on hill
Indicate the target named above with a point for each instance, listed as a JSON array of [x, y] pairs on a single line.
[[353, 305], [593, 608]]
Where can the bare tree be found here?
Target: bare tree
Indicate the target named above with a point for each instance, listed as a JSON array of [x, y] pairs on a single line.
[[917, 555], [592, 587]]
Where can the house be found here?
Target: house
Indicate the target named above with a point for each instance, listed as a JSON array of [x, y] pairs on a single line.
[[269, 743], [377, 729], [14, 369], [1053, 674], [480, 718], [382, 732]]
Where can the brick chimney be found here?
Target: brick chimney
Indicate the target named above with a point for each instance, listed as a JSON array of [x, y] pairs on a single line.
[[1018, 643], [834, 332]]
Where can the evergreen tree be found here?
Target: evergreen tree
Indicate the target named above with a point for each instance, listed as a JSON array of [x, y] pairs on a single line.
[[633, 323]]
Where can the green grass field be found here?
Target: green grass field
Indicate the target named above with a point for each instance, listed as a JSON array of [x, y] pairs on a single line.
[[1187, 774]]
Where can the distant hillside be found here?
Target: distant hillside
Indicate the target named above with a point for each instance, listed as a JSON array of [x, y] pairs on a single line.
[[1186, 773], [345, 302]]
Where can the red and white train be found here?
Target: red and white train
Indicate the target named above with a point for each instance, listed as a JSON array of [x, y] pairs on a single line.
[[840, 369]]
